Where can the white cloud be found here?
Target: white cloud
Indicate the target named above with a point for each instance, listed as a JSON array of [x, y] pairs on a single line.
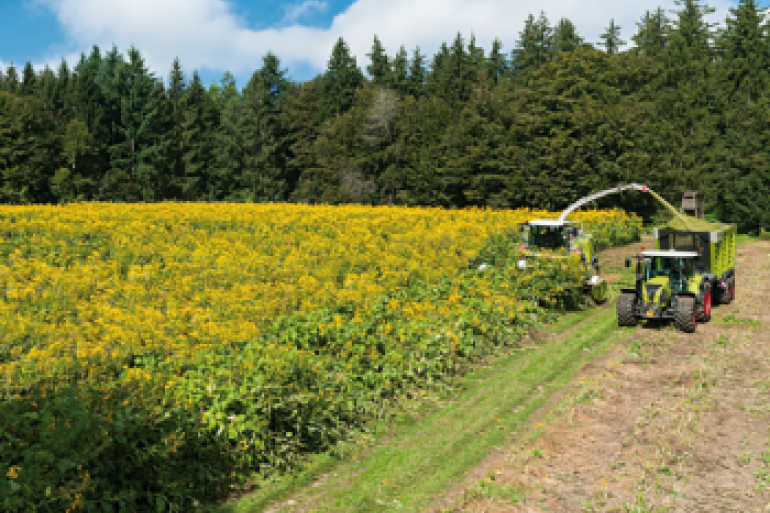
[[296, 11], [207, 33]]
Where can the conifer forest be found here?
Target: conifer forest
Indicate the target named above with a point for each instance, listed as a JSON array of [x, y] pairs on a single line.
[[539, 124]]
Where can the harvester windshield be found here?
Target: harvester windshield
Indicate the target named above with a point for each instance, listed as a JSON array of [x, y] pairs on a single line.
[[548, 234]]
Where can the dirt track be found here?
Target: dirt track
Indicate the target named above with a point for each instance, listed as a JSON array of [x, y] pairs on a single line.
[[664, 422]]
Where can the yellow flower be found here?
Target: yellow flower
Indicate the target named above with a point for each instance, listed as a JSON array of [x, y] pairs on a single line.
[[13, 472]]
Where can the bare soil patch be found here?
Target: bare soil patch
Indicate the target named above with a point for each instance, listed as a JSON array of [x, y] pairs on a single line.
[[666, 421]]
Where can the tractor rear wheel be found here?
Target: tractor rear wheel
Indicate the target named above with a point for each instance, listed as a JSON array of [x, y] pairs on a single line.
[[626, 304], [704, 310], [685, 314]]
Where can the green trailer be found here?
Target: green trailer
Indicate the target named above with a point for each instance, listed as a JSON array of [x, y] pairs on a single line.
[[716, 249]]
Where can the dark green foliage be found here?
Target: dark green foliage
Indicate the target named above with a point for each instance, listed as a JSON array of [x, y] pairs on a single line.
[[26, 150]]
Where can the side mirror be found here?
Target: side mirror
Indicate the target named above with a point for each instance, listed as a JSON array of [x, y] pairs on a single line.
[[628, 262]]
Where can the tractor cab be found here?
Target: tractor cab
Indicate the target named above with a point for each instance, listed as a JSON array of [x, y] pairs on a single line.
[[668, 286], [674, 269]]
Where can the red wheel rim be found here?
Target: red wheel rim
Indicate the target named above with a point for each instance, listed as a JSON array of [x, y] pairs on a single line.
[[707, 302]]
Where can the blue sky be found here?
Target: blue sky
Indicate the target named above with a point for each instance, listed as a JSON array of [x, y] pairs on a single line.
[[214, 36]]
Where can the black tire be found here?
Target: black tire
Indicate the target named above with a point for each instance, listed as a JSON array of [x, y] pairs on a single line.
[[704, 310], [626, 303], [685, 314], [724, 294]]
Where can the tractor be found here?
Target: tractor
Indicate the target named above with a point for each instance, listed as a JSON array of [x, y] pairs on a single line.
[[681, 279]]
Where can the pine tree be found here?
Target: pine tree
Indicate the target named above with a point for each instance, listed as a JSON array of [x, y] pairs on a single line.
[[379, 69], [340, 82], [611, 39]]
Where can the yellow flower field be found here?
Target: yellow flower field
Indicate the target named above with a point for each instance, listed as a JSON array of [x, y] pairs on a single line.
[[132, 301]]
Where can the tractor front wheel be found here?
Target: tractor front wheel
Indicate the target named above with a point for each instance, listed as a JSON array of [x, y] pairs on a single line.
[[685, 316], [626, 304], [704, 310]]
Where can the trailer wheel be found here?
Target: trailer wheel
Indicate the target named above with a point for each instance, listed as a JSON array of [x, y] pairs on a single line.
[[704, 310], [685, 316], [725, 294], [626, 303]]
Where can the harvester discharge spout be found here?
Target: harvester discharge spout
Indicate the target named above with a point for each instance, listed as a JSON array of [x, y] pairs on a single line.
[[595, 196]]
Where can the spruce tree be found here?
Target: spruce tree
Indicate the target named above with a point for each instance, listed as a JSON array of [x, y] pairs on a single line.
[[340, 82], [11, 82], [744, 52], [417, 74], [564, 37], [653, 33], [228, 138], [611, 39], [379, 69], [400, 72], [265, 169], [28, 79], [533, 49], [497, 65], [173, 146], [135, 145], [196, 130]]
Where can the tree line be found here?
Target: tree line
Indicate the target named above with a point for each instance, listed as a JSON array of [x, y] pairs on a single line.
[[552, 120]]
